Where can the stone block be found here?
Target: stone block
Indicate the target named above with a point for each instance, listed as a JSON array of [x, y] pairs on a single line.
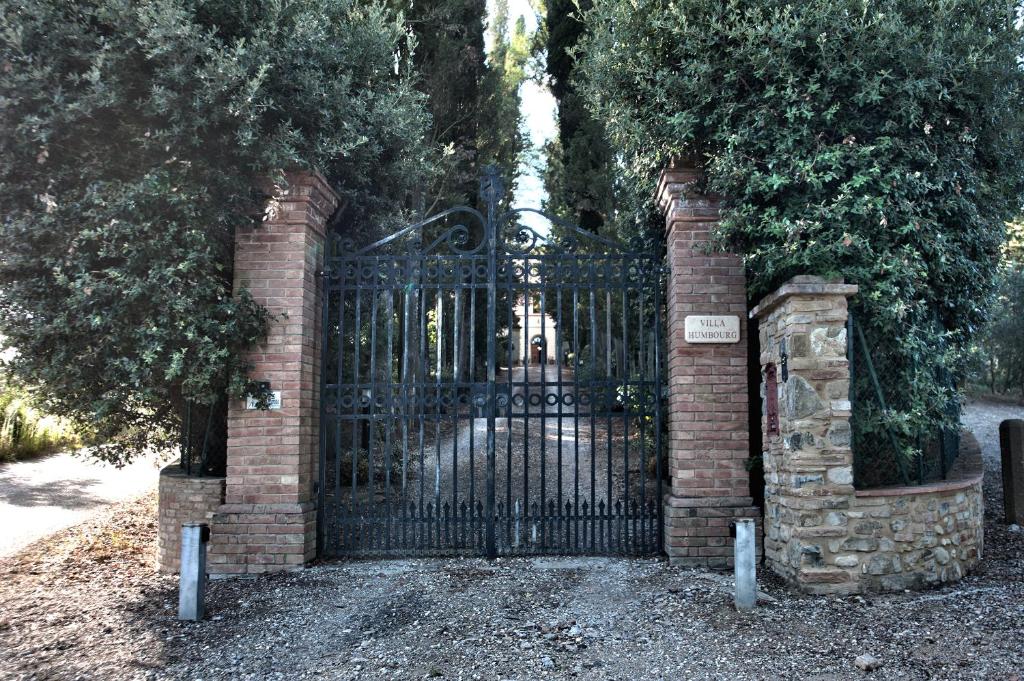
[[830, 342], [841, 476], [840, 434], [802, 399], [847, 561]]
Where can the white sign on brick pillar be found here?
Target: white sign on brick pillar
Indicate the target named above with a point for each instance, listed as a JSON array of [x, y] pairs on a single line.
[[712, 329]]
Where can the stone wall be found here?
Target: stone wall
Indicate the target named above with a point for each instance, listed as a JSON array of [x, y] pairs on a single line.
[[821, 534], [913, 537], [182, 500], [708, 418]]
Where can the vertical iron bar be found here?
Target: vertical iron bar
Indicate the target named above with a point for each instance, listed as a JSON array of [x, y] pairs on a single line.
[[325, 348], [492, 286], [527, 357], [407, 396], [421, 415], [336, 539], [543, 407], [576, 403], [186, 459], [206, 439], [456, 386], [561, 385], [357, 332], [593, 407], [510, 298], [371, 468], [388, 384], [609, 380], [439, 392], [658, 282], [624, 383], [642, 380], [472, 380]]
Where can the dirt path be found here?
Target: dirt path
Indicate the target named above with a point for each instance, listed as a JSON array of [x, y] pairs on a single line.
[[43, 495], [1004, 550]]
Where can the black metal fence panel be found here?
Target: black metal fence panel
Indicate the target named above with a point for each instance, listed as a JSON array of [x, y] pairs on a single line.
[[878, 460], [203, 448]]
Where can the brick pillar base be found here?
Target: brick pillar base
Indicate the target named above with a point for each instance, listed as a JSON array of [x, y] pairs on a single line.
[[268, 521], [182, 500], [708, 422]]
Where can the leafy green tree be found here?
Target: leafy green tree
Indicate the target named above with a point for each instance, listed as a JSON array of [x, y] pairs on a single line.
[[472, 92], [450, 62], [136, 140], [876, 140], [24, 430], [580, 173], [1001, 350], [501, 139]]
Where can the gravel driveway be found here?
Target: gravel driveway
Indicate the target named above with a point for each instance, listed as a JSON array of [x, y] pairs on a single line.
[[88, 605], [41, 496]]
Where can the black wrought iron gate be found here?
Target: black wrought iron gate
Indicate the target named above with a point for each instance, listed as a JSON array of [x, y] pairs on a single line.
[[491, 388]]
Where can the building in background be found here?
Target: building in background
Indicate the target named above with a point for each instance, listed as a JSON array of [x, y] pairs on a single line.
[[537, 331]]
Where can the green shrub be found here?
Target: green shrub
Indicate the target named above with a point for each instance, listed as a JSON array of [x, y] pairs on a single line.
[[25, 431], [999, 357], [879, 141], [136, 138]]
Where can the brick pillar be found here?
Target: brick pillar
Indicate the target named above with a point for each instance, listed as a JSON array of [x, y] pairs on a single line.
[[708, 422], [268, 521]]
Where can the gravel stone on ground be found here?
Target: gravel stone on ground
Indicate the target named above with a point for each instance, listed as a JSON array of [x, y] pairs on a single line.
[[88, 604]]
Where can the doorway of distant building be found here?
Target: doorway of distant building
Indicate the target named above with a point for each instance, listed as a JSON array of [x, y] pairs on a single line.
[[537, 352]]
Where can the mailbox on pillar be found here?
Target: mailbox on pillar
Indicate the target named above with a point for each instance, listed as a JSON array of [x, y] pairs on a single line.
[[771, 400]]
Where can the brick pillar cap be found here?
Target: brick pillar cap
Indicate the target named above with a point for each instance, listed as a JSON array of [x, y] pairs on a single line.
[[315, 180], [803, 285], [678, 200], [674, 183]]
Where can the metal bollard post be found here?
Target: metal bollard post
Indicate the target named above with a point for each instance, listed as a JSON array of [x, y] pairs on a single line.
[[744, 553], [1011, 445], [192, 585]]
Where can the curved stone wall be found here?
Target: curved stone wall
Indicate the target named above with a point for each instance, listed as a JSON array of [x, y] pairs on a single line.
[[919, 536]]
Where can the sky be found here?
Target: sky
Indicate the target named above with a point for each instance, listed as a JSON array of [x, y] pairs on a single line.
[[538, 108]]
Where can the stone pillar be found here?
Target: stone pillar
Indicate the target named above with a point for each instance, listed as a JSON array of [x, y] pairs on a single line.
[[708, 422], [821, 534], [808, 461], [268, 521]]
